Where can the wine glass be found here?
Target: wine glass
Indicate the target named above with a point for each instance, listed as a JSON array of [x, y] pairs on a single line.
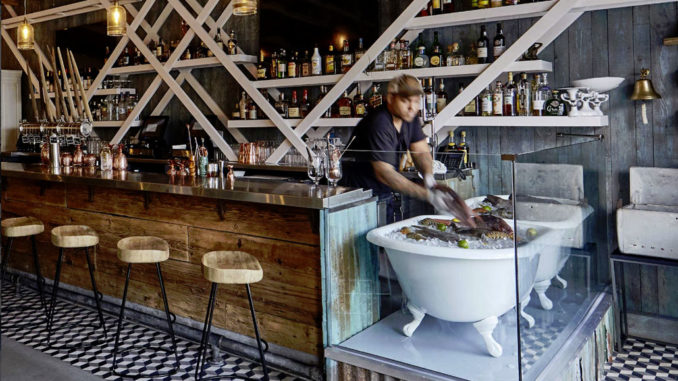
[[314, 168], [333, 171]]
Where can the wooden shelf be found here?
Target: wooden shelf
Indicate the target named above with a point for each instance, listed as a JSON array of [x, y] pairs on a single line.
[[182, 64], [671, 41], [528, 121], [267, 123], [536, 66], [101, 92], [114, 123]]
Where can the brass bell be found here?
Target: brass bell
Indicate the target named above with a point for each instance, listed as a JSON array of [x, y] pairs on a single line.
[[643, 90]]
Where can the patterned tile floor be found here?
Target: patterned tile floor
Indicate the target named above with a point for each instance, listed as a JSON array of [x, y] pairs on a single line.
[[28, 328], [644, 360]]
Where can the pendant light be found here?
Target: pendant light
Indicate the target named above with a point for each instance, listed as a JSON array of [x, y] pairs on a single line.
[[25, 34], [116, 20], [244, 7]]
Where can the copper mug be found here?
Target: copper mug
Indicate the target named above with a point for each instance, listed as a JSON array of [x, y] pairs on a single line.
[[90, 160], [66, 159]]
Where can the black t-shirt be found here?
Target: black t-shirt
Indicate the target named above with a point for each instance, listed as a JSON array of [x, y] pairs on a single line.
[[377, 140]]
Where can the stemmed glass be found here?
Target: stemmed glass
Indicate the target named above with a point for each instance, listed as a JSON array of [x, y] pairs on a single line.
[[314, 167]]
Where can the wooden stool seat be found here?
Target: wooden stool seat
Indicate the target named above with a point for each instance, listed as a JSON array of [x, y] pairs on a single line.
[[74, 236], [231, 267], [143, 249], [21, 227]]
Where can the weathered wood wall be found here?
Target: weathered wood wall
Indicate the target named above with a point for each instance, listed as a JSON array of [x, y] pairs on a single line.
[[284, 239]]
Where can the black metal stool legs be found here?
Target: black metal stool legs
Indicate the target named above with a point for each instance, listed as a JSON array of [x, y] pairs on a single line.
[[205, 334], [169, 325], [97, 296], [256, 332], [5, 258], [52, 304], [39, 280]]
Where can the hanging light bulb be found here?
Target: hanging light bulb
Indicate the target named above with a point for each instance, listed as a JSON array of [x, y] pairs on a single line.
[[116, 20], [25, 36], [244, 7]]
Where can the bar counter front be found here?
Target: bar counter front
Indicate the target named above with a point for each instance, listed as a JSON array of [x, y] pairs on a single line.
[[310, 241]]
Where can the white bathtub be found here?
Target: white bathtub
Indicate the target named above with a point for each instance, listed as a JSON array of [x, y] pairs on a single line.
[[460, 285], [566, 222]]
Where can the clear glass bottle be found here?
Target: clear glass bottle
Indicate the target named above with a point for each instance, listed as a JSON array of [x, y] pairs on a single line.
[[486, 102], [430, 99], [524, 96], [404, 58], [540, 95], [498, 100], [392, 57], [106, 158], [242, 105]]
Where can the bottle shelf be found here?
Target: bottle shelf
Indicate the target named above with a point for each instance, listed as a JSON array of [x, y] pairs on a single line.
[[671, 41], [197, 63], [114, 123], [528, 121], [267, 123], [475, 16], [101, 92], [536, 66]]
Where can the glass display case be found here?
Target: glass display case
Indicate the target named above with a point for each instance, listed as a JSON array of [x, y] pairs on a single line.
[[432, 295]]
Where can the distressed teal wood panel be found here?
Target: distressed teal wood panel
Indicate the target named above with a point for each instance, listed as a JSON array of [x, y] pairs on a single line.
[[350, 272]]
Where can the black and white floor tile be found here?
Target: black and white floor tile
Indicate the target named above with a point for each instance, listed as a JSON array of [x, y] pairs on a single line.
[[644, 360], [76, 324]]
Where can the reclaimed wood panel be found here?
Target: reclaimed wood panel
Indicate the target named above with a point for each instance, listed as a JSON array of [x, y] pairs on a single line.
[[48, 193], [284, 223]]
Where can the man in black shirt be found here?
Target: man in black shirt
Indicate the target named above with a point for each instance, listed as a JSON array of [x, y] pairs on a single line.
[[383, 136]]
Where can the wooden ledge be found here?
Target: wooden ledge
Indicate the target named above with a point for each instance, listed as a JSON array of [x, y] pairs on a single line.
[[231, 267]]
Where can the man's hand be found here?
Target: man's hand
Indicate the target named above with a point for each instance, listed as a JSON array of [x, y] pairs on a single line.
[[445, 200]]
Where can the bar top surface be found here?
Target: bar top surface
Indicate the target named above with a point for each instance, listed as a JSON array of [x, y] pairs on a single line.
[[256, 190]]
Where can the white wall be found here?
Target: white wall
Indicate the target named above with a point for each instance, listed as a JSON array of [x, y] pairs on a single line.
[[10, 113]]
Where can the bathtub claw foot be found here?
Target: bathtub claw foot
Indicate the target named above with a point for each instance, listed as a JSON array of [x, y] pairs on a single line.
[[417, 315], [540, 288], [563, 282], [485, 328], [528, 318]]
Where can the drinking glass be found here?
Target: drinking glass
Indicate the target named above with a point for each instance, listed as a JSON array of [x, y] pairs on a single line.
[[314, 168], [333, 171]]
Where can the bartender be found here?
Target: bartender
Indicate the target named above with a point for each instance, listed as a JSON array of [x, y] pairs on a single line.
[[386, 133]]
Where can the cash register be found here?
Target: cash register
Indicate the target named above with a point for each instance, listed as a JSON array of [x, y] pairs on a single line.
[[152, 140]]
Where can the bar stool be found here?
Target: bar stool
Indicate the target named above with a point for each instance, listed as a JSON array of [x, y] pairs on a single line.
[[229, 267], [23, 227], [74, 237], [144, 250]]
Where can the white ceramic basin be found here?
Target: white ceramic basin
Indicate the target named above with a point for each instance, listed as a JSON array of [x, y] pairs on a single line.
[[600, 84]]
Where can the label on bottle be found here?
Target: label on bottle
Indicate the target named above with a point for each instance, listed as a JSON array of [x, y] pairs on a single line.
[[282, 68], [232, 48], [358, 55], [243, 113], [292, 69], [482, 52], [305, 69], [435, 60], [508, 99], [440, 104], [261, 73], [497, 104], [346, 60], [436, 4], [470, 108], [329, 65], [375, 100], [498, 51], [345, 111], [293, 112], [538, 104], [487, 105], [253, 113], [553, 107], [316, 68], [419, 61], [360, 109]]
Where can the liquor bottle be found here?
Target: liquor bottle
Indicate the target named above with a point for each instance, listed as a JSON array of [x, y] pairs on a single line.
[[252, 112], [483, 46], [360, 51], [496, 3], [359, 104], [431, 103], [499, 42], [316, 62], [232, 44], [391, 57], [345, 106], [292, 66], [441, 97], [436, 7], [219, 40], [138, 58], [323, 92], [465, 149], [447, 152], [510, 97], [236, 111], [187, 54], [404, 56], [330, 61], [436, 57], [262, 70], [510, 2], [483, 4], [125, 57], [282, 106], [457, 58], [376, 98], [540, 96], [158, 50], [305, 104], [274, 65], [380, 61], [554, 106], [242, 106], [421, 59], [486, 102], [306, 65], [395, 55], [524, 96], [294, 109], [472, 57], [282, 64], [472, 108], [474, 4], [448, 6], [346, 58], [498, 100]]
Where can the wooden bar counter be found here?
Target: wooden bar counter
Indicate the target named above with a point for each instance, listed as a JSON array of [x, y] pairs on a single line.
[[309, 240]]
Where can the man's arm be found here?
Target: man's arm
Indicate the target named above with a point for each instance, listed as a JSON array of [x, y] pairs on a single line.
[[421, 155], [386, 174]]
